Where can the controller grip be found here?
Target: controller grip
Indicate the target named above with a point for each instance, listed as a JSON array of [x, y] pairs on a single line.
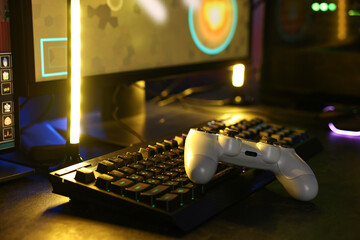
[[200, 168], [303, 187]]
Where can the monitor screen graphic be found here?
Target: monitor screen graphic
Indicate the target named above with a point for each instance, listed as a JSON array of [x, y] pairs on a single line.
[[130, 35]]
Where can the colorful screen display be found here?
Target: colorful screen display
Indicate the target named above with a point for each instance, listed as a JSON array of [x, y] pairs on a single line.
[[131, 35], [7, 132]]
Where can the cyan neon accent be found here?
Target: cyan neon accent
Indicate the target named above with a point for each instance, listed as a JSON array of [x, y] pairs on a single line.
[[222, 47], [42, 56]]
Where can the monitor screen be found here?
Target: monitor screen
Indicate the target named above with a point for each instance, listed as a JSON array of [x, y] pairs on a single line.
[[136, 39], [7, 99]]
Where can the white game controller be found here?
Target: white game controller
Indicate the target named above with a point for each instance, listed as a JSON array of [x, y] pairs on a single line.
[[204, 150]]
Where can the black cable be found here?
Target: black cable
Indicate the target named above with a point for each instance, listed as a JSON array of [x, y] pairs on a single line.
[[188, 92], [118, 120], [166, 92]]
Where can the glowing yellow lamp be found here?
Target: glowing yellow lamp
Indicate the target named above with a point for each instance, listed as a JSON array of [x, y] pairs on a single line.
[[238, 76], [75, 72]]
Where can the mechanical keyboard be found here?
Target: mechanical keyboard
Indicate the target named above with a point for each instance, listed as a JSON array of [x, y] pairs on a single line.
[[149, 179]]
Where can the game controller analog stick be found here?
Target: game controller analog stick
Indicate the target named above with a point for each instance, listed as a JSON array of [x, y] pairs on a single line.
[[204, 150]]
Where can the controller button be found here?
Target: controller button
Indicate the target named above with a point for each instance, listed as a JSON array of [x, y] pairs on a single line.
[[250, 154]]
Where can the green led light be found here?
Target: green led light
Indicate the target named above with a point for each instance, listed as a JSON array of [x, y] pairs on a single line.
[[332, 7], [354, 13], [153, 206], [324, 7], [315, 7]]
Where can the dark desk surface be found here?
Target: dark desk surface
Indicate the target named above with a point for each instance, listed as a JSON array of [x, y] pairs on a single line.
[[28, 209]]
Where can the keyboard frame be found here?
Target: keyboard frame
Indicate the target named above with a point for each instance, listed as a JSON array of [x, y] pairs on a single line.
[[187, 217]]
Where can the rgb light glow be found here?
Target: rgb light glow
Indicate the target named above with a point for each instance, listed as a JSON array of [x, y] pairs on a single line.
[[354, 13], [238, 76], [332, 7], [75, 75], [315, 7], [324, 7], [343, 132]]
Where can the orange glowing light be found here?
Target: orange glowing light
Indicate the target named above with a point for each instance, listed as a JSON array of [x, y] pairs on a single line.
[[214, 13]]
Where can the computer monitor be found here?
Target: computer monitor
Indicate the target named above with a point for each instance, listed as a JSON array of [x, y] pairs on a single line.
[[8, 99], [311, 53], [125, 41], [9, 132]]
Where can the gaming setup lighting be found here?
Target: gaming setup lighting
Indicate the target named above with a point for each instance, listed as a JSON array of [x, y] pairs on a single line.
[[238, 76], [74, 73], [338, 131]]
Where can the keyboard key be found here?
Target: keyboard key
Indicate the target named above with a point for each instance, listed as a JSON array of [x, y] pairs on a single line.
[[120, 185], [180, 170], [153, 181], [163, 166], [182, 180], [103, 181], [178, 151], [84, 175], [146, 174], [105, 166], [180, 140], [160, 158], [150, 195], [117, 174], [128, 159], [172, 163], [196, 190], [155, 170], [171, 154], [119, 162], [171, 174], [135, 190], [158, 149], [137, 156], [172, 143], [136, 178], [184, 194], [146, 163], [162, 178], [137, 167], [169, 202], [147, 152], [172, 184], [127, 170], [166, 146]]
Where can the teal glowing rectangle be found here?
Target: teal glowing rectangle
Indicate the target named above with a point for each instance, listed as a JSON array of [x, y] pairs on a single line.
[[7, 145], [42, 41]]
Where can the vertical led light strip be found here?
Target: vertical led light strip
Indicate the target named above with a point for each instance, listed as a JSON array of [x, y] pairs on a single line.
[[342, 24], [75, 75]]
